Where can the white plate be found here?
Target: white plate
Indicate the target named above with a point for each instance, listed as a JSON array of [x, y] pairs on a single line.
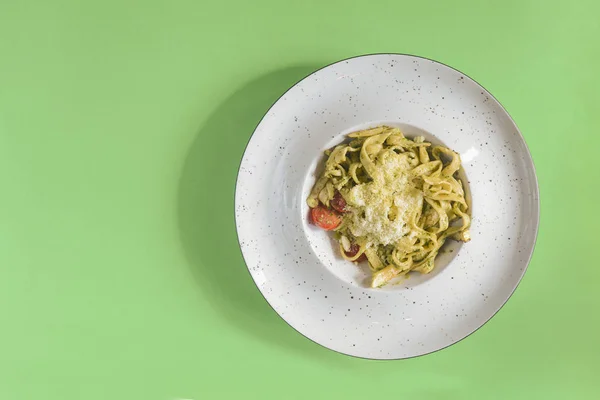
[[296, 265]]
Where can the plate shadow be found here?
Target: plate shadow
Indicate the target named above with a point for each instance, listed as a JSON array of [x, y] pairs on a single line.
[[206, 212]]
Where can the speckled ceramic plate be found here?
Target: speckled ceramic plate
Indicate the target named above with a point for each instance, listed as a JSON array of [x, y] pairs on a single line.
[[296, 265]]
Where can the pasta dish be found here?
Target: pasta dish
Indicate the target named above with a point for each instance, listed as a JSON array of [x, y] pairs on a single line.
[[391, 201]]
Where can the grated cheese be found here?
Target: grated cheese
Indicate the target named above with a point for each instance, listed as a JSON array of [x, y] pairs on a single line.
[[381, 210]]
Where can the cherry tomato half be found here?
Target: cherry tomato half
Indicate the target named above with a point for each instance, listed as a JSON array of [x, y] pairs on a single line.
[[325, 218]]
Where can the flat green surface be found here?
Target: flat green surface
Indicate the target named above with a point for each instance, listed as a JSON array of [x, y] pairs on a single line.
[[122, 124]]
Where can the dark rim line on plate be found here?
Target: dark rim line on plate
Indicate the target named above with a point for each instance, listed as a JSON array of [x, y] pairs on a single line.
[[537, 193]]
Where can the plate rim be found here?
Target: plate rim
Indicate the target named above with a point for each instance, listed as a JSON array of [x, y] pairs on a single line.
[[536, 193]]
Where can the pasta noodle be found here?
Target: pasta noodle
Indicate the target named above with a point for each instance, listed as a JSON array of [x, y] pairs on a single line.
[[391, 200]]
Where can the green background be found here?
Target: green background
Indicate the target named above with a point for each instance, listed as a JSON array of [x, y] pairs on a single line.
[[122, 124]]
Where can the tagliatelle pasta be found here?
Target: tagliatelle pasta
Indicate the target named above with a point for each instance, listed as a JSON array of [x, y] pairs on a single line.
[[391, 200]]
